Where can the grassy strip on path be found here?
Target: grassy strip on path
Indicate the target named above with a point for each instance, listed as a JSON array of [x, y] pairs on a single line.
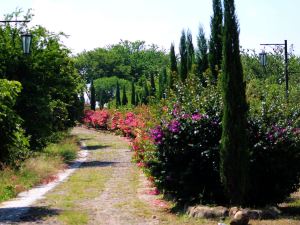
[[41, 168]]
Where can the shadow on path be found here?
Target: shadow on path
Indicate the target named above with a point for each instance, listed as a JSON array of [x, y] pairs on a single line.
[[25, 214], [104, 164], [96, 147]]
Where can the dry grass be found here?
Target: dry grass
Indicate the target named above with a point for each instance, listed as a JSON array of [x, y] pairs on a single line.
[[41, 168]]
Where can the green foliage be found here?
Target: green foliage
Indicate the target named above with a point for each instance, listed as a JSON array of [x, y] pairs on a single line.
[[13, 142], [51, 85], [133, 95], [125, 60], [173, 67], [234, 149], [153, 88], [118, 95], [93, 96], [183, 56], [146, 94], [105, 88], [215, 43], [124, 97], [201, 55], [190, 50], [162, 82]]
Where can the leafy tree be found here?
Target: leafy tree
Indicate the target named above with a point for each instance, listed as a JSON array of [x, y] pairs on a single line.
[[152, 82], [126, 60], [190, 50], [201, 55], [133, 95], [183, 57], [118, 96], [51, 84], [93, 96], [173, 69], [234, 155], [13, 142], [215, 43], [124, 97]]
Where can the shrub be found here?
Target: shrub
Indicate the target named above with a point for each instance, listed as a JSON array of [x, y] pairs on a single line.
[[13, 142], [274, 163], [186, 163]]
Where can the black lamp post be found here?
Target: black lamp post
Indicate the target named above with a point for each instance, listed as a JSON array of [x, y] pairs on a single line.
[[263, 62], [26, 37]]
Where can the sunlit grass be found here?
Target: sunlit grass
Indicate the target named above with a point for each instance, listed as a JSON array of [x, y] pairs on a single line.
[[73, 217], [41, 168]]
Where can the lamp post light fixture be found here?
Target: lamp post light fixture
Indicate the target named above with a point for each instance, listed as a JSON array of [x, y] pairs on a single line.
[[26, 42], [26, 37], [263, 62], [263, 58]]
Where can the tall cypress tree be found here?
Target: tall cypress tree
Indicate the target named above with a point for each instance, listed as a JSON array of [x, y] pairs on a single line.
[[145, 96], [201, 55], [118, 96], [162, 81], [124, 96], [137, 99], [152, 82], [215, 43], [234, 155], [133, 97], [174, 69], [93, 96], [190, 50], [183, 57]]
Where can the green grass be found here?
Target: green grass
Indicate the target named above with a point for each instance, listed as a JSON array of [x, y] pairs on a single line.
[[40, 168], [66, 149], [72, 217]]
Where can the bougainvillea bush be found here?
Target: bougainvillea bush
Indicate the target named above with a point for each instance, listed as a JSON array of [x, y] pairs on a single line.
[[186, 163], [179, 149]]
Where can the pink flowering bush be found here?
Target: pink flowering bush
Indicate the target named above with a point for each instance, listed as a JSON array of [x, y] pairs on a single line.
[[96, 119], [181, 153]]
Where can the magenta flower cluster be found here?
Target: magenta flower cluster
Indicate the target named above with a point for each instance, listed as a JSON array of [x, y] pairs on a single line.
[[174, 126], [157, 135]]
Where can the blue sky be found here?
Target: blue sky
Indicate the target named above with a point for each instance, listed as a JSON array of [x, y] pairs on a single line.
[[97, 23]]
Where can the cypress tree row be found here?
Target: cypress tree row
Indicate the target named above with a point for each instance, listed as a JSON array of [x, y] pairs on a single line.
[[190, 50], [201, 55], [174, 69], [133, 99], [234, 155], [124, 97], [118, 96], [183, 57], [93, 96], [152, 82], [215, 43]]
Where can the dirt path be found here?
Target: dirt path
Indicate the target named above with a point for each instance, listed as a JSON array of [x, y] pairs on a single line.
[[106, 189]]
